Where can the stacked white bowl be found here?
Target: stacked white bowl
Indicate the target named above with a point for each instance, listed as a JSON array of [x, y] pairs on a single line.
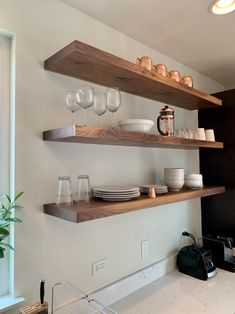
[[174, 178], [193, 181]]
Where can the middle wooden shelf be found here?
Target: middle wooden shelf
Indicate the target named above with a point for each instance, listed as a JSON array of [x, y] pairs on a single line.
[[98, 208], [86, 134]]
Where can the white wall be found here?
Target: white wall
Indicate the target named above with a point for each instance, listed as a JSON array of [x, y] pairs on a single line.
[[53, 249]]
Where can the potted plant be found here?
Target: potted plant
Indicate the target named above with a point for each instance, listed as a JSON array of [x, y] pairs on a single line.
[[7, 206]]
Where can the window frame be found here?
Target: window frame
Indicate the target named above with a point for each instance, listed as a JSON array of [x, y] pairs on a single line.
[[7, 301]]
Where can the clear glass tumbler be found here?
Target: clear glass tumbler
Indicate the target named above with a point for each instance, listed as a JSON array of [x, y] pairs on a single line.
[[83, 189], [64, 192]]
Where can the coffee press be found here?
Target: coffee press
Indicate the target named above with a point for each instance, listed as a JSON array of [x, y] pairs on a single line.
[[166, 121]]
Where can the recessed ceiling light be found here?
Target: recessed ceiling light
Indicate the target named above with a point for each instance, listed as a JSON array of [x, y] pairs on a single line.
[[221, 7]]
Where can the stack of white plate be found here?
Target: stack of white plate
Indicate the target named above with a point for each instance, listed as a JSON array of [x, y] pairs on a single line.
[[193, 181], [159, 189], [174, 178], [116, 193]]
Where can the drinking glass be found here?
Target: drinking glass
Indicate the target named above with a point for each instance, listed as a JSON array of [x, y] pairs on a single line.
[[71, 103], [85, 97], [100, 105], [83, 189], [64, 192], [113, 100]]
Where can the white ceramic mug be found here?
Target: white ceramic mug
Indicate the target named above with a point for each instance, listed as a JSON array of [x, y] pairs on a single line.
[[210, 135], [201, 134]]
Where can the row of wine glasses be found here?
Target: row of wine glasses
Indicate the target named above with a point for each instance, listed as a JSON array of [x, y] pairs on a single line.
[[85, 97]]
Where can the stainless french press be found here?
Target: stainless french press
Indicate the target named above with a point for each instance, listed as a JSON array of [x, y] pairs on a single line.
[[166, 121]]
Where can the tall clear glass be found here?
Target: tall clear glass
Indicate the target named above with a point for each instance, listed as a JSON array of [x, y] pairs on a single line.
[[100, 105], [85, 97], [113, 100], [83, 189], [64, 192], [72, 104]]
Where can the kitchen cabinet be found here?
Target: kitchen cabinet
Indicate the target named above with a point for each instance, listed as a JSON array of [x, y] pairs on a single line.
[[82, 61], [218, 214]]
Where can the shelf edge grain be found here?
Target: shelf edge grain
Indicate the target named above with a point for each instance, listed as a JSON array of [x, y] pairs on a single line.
[[99, 209], [88, 63], [89, 135]]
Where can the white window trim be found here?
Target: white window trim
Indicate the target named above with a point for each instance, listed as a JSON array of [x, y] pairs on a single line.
[[9, 301]]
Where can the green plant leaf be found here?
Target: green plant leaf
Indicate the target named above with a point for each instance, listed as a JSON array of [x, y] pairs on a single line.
[[6, 245], [18, 195], [4, 231], [8, 198], [3, 207], [15, 206], [2, 252], [13, 220]]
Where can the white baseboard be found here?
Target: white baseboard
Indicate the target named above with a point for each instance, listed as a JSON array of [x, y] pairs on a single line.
[[122, 288]]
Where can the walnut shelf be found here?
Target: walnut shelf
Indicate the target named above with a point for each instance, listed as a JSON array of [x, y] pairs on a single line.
[[87, 63], [100, 209], [85, 134]]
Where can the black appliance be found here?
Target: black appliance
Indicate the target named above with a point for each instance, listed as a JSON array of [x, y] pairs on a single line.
[[195, 261], [222, 250]]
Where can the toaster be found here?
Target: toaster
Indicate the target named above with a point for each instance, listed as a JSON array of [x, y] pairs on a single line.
[[196, 262]]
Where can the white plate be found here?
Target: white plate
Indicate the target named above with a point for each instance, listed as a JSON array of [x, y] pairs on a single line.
[[117, 193], [117, 197], [115, 189], [127, 194]]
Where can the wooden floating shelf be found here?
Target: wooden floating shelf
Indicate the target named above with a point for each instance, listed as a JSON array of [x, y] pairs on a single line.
[[100, 209], [90, 64], [85, 134]]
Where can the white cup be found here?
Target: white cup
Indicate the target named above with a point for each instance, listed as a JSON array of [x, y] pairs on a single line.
[[210, 135], [201, 134]]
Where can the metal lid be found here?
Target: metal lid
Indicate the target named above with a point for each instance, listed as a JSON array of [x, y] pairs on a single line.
[[167, 112]]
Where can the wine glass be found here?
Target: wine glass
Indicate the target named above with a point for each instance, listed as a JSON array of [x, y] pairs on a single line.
[[113, 100], [71, 103], [85, 97], [100, 105]]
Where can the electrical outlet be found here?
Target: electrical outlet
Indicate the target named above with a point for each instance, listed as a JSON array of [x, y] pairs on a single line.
[[99, 266], [144, 248]]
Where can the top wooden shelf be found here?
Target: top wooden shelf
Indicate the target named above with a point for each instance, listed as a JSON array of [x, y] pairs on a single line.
[[90, 64]]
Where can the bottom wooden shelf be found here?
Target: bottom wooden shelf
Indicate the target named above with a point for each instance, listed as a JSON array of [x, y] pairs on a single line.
[[99, 208]]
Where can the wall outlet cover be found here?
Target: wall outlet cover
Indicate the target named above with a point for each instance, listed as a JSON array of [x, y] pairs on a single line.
[[99, 266]]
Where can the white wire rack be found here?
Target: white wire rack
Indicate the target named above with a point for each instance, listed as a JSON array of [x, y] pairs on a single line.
[[94, 303]]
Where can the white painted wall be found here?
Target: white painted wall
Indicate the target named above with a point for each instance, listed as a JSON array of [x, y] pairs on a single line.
[[54, 249]]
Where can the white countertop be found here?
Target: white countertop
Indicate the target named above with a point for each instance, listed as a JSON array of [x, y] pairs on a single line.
[[179, 293]]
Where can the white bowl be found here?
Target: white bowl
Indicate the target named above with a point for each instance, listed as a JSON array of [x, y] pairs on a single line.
[[177, 175], [136, 125], [193, 176], [180, 181], [174, 185], [173, 177], [193, 184], [173, 170]]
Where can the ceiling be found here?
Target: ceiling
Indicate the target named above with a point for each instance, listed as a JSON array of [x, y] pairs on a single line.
[[182, 29]]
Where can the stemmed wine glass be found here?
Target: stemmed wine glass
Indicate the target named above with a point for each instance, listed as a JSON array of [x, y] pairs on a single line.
[[113, 100], [85, 98], [100, 105], [72, 103]]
